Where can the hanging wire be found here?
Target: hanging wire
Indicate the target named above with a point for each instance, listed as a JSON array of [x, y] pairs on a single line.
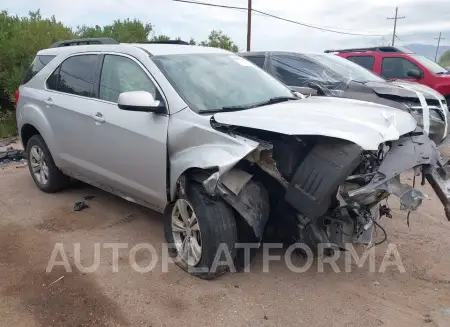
[[321, 28]]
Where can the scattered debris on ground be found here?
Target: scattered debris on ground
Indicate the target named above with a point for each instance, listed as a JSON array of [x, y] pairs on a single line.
[[80, 205], [12, 155]]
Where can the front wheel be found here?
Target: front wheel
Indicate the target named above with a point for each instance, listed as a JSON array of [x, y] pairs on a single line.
[[201, 233]]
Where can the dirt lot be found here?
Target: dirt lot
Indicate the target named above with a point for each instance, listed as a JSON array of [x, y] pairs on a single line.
[[31, 222]]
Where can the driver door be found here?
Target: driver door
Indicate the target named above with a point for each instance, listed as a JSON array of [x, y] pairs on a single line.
[[129, 149], [398, 67]]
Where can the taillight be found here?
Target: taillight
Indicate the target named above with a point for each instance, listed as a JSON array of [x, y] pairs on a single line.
[[16, 96]]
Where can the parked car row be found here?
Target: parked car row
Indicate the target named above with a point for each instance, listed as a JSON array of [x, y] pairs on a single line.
[[330, 75], [224, 148]]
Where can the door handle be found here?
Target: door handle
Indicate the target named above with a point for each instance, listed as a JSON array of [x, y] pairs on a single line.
[[48, 102], [98, 117]]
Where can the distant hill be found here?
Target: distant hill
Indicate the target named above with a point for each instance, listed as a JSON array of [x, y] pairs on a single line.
[[427, 50]]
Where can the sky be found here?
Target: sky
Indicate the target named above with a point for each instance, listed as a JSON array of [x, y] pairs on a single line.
[[424, 20]]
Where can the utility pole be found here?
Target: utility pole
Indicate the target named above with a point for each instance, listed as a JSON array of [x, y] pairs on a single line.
[[395, 23], [439, 43], [249, 24]]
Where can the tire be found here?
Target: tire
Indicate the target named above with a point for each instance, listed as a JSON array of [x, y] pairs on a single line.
[[217, 225], [56, 180], [245, 235]]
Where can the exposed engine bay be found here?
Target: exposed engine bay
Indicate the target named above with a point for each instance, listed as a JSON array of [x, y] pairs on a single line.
[[319, 190]]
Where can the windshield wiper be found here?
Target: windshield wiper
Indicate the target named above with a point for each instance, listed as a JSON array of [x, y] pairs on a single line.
[[442, 73], [249, 106]]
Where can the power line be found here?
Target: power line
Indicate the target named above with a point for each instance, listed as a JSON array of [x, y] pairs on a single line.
[[249, 24], [403, 42], [395, 24], [324, 29], [439, 43]]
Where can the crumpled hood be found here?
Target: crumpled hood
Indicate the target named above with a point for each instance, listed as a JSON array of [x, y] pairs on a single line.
[[427, 91], [396, 88], [364, 123]]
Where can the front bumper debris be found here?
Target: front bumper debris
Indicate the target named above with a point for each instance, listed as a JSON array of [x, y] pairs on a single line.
[[439, 179], [408, 153]]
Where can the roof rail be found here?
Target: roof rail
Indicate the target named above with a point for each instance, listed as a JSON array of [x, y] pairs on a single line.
[[96, 40], [374, 49], [167, 42]]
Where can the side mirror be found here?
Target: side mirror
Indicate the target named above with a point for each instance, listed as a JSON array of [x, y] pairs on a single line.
[[414, 73], [140, 101]]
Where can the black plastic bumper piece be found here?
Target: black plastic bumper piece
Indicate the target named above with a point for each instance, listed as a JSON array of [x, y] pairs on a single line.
[[319, 176]]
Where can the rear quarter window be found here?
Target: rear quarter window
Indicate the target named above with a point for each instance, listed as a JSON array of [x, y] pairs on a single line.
[[257, 60], [36, 66], [365, 61]]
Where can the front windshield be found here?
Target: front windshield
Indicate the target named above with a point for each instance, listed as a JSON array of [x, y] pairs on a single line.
[[430, 64], [346, 68], [213, 81]]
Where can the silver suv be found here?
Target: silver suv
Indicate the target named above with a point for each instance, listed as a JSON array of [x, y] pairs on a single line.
[[221, 147]]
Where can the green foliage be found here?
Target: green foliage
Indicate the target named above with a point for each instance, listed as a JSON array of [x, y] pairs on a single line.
[[8, 126], [444, 61], [22, 37], [121, 30], [160, 38], [217, 39]]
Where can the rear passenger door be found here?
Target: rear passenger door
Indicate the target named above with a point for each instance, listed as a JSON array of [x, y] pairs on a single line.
[[70, 106]]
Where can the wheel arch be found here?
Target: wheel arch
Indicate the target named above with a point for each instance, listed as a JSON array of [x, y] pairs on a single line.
[[32, 121], [26, 132]]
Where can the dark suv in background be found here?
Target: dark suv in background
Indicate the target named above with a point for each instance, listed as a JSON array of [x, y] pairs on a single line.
[[400, 63], [325, 74]]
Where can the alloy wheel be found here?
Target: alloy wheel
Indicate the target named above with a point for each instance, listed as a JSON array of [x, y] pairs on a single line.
[[39, 166], [186, 232]]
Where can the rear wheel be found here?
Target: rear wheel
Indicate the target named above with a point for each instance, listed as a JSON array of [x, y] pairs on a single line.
[[42, 168], [201, 232]]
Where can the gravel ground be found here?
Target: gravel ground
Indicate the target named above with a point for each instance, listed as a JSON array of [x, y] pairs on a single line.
[[31, 222]]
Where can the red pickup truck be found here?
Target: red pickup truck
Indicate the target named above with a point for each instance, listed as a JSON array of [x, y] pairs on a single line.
[[399, 63]]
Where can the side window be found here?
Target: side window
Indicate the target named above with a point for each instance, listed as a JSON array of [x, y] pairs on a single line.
[[121, 74], [295, 71], [257, 60], [395, 67], [36, 66], [52, 81], [365, 61], [75, 76]]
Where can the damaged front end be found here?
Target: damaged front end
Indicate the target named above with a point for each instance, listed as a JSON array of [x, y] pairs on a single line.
[[327, 190]]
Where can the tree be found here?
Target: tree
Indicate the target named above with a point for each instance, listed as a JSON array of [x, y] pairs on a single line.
[[160, 38], [20, 39], [444, 61], [218, 39], [121, 30]]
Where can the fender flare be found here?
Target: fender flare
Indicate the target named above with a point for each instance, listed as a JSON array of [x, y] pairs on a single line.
[[36, 118], [219, 157]]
